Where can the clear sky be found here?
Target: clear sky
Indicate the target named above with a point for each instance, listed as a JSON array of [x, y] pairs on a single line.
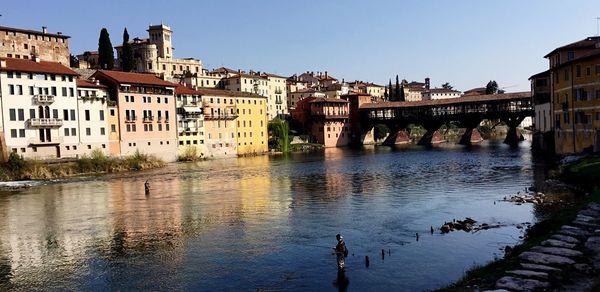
[[466, 43]]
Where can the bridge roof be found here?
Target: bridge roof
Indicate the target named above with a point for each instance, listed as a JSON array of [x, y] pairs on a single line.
[[449, 101]]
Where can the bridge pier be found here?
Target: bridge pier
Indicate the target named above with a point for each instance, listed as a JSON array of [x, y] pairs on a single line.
[[398, 135], [432, 136], [471, 134], [513, 136]]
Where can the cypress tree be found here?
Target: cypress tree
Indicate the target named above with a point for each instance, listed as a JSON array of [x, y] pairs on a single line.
[[397, 93], [106, 56], [385, 94], [402, 97], [391, 92], [127, 61]]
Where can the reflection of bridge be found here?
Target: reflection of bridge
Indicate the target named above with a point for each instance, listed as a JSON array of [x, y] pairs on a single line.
[[469, 111]]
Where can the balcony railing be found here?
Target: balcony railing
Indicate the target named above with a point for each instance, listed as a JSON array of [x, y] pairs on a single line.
[[148, 119], [45, 122], [130, 119], [43, 99], [46, 141], [220, 117]]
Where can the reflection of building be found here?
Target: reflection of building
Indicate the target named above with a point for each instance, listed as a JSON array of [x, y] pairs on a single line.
[[155, 55], [574, 72], [24, 44], [146, 109]]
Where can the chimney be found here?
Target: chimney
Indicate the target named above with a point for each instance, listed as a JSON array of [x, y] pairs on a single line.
[[325, 74], [427, 83], [44, 30]]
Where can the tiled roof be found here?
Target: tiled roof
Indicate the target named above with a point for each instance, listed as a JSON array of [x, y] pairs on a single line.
[[35, 32], [224, 70], [274, 75], [89, 84], [593, 54], [541, 74], [134, 78], [246, 75], [32, 66], [589, 42], [136, 41], [324, 99], [227, 93], [443, 90], [458, 100]]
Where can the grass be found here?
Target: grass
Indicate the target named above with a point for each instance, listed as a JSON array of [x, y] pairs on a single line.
[[189, 154], [18, 168], [303, 147], [583, 173]]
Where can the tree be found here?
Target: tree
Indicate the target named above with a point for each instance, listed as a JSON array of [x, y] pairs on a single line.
[[385, 94], [397, 90], [447, 86], [279, 135], [73, 61], [391, 92], [491, 87], [127, 61], [402, 97], [381, 131], [106, 56]]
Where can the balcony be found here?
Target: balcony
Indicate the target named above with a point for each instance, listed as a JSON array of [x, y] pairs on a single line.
[[278, 101], [130, 119], [46, 142], [148, 119], [43, 99], [45, 123], [220, 117], [330, 115], [188, 130]]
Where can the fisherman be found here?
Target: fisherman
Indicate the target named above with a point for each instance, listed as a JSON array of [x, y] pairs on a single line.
[[147, 187], [341, 251]]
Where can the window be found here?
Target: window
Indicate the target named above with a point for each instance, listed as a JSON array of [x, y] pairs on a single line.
[[71, 92], [22, 133], [13, 133], [55, 113], [31, 90], [166, 100], [11, 89], [64, 91], [21, 113], [158, 100], [73, 132], [72, 115], [66, 115], [578, 71], [12, 114], [88, 131], [570, 55], [66, 131], [102, 131], [32, 113], [87, 115], [102, 115], [9, 74], [113, 128]]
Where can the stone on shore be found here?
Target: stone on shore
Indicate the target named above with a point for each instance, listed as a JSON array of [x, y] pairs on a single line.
[[529, 274], [558, 243], [539, 267], [590, 213], [545, 259], [585, 218], [518, 284], [565, 238], [577, 233], [557, 251]]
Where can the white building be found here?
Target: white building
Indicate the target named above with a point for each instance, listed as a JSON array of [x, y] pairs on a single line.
[[92, 98], [277, 96], [39, 108], [440, 93]]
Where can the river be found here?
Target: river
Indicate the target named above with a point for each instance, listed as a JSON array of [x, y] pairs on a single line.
[[269, 222]]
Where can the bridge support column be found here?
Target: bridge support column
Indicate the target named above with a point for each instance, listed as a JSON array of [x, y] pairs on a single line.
[[432, 136], [513, 136], [398, 135], [471, 134]]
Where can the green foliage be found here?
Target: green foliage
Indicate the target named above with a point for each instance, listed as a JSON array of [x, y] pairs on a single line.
[[491, 87], [279, 133], [106, 56], [381, 131], [447, 86], [73, 61], [16, 162], [127, 60], [391, 92], [190, 153]]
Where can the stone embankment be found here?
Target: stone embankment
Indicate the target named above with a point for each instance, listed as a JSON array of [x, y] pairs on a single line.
[[567, 261]]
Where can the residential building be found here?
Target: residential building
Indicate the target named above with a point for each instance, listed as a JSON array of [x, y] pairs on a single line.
[[295, 97], [146, 109], [413, 91], [326, 119], [190, 121], [25, 44], [89, 60], [440, 93], [335, 90], [543, 138], [276, 96], [92, 103], [155, 55], [575, 95], [39, 108], [220, 122], [251, 131]]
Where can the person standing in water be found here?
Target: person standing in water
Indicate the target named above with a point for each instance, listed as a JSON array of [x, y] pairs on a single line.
[[341, 252], [147, 187]]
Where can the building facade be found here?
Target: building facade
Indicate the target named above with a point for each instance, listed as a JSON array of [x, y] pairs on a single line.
[[251, 128], [543, 135], [325, 119], [220, 122], [39, 108], [25, 44], [190, 122], [92, 103], [146, 109]]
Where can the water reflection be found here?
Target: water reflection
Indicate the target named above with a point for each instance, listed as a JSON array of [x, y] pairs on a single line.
[[266, 222]]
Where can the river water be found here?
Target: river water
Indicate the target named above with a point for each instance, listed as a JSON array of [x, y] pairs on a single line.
[[269, 222]]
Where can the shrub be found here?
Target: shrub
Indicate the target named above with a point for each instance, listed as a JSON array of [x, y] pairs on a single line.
[[381, 131], [189, 154], [16, 162]]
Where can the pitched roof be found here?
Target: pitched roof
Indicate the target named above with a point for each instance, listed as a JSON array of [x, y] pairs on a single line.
[[180, 89], [443, 90], [32, 66], [227, 93], [587, 43], [324, 99], [458, 100], [134, 78], [34, 32], [246, 75], [274, 75], [88, 84], [541, 74], [224, 70]]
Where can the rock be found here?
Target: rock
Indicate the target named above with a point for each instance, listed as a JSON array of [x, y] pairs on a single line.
[[577, 233], [469, 220], [545, 259], [557, 251], [558, 243], [583, 268], [585, 218], [539, 267], [586, 224], [590, 213], [593, 244], [565, 238], [512, 283], [445, 228], [529, 274], [594, 206]]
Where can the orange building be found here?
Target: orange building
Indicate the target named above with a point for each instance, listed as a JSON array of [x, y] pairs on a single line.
[[326, 119]]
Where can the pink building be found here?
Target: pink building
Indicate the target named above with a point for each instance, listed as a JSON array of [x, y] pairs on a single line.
[[326, 119], [146, 108]]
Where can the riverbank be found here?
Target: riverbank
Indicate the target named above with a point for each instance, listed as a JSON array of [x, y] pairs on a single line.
[[555, 251], [20, 169]]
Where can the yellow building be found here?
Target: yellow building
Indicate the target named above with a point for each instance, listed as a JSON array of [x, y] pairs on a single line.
[[252, 135], [576, 96]]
